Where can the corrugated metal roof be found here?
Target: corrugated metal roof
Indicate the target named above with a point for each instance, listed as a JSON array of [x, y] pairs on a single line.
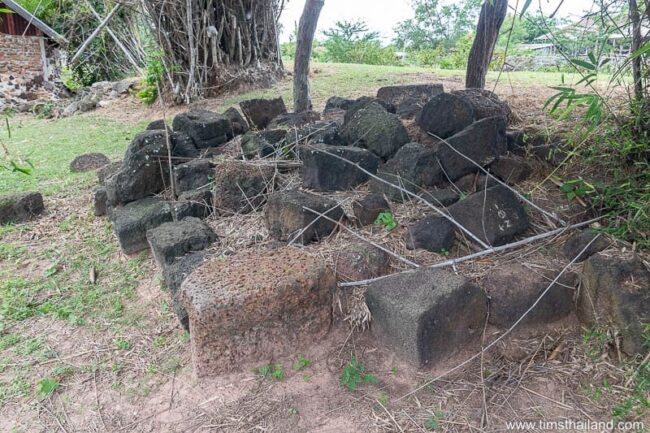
[[33, 20]]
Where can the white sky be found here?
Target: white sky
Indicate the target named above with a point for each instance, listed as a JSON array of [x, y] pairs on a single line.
[[383, 15]]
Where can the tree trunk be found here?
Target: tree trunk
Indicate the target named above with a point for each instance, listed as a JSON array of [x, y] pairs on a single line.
[[306, 31], [635, 19], [493, 13]]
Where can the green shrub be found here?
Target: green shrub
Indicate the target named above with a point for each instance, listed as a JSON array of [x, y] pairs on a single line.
[[457, 58], [20, 165], [47, 386], [274, 371], [153, 77], [624, 195], [433, 423], [70, 79], [618, 160], [426, 56], [288, 50], [362, 52], [352, 42], [301, 363], [386, 220]]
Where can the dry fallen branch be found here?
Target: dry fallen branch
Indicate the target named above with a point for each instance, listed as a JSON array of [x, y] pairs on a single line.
[[407, 192], [304, 229], [490, 175], [397, 256], [487, 252]]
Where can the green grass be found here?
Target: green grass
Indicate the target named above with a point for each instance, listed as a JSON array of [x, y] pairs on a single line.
[[68, 294], [51, 144], [347, 80]]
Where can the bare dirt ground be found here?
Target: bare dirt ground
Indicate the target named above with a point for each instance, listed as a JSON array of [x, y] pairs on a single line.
[[147, 385]]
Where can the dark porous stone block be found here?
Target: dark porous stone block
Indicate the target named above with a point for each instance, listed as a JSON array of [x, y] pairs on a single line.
[[426, 315], [132, 221]]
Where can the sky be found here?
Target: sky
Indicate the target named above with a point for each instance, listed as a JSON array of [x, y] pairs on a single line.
[[383, 15]]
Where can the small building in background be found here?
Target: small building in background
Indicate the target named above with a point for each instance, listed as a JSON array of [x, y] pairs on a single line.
[[30, 55]]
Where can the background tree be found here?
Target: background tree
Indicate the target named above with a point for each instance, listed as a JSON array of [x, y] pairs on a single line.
[[436, 24], [344, 35], [304, 41], [537, 25], [516, 31], [353, 42], [637, 40], [493, 13], [210, 47]]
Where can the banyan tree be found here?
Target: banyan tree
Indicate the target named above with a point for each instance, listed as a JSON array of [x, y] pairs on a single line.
[[210, 46]]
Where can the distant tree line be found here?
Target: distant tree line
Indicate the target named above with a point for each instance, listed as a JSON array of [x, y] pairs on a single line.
[[438, 34], [441, 35], [348, 42]]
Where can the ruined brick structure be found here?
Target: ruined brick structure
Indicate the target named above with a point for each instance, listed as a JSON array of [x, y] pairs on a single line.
[[29, 54]]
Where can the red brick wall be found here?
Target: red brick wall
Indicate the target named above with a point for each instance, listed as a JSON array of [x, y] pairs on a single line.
[[21, 65], [21, 56]]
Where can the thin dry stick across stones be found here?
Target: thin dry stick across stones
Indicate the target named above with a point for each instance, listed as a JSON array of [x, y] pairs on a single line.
[[397, 256], [410, 194], [168, 142], [490, 175], [508, 331], [453, 262], [291, 146], [304, 229], [488, 249]]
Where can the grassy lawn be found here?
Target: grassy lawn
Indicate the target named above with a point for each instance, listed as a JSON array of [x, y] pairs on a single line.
[[64, 269], [50, 145], [356, 80]]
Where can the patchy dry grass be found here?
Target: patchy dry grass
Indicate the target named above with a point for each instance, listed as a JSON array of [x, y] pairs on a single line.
[[88, 341]]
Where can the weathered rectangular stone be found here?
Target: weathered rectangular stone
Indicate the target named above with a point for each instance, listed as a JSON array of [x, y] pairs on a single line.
[[321, 171], [426, 315], [615, 294], [132, 221], [20, 207], [174, 274], [495, 215], [100, 201], [175, 239], [254, 306], [240, 187], [482, 142], [287, 216], [410, 98]]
